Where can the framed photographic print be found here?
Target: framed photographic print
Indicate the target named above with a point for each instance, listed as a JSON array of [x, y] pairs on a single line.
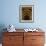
[[26, 13]]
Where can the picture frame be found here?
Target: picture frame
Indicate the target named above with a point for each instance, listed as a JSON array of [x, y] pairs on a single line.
[[26, 13]]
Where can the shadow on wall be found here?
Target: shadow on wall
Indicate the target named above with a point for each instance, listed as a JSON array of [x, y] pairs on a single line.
[[2, 26]]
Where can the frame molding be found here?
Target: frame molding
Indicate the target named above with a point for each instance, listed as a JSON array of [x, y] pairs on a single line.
[[20, 13]]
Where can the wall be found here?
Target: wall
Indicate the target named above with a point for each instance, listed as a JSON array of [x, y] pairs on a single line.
[[9, 13]]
